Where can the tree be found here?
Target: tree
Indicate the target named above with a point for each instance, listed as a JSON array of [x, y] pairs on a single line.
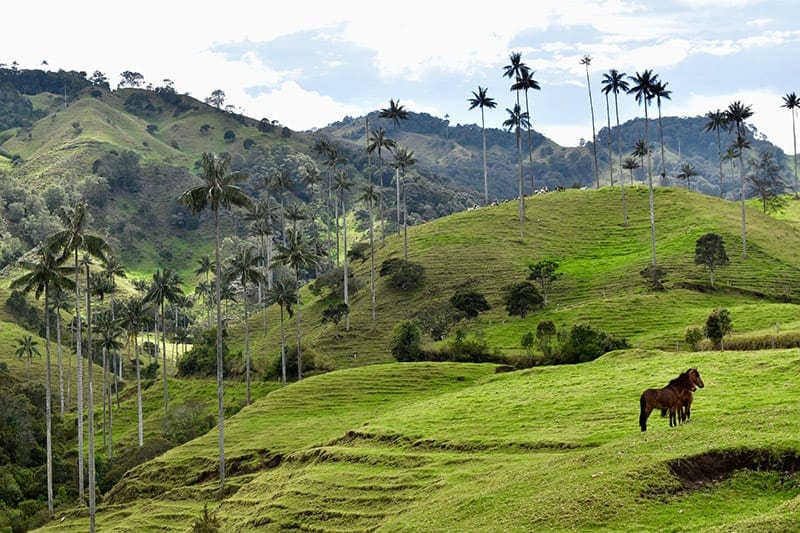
[[263, 219], [334, 314], [718, 324], [586, 60], [297, 254], [369, 195], [643, 86], [395, 112], [217, 98], [545, 331], [130, 79], [218, 191], [687, 173], [59, 301], [403, 159], [165, 287], [341, 185], [481, 100], [406, 340], [41, 277], [109, 329], [630, 164], [134, 314], [709, 251], [614, 82], [765, 179], [717, 121], [282, 293], [378, 141], [244, 267], [525, 83], [544, 274], [737, 114], [660, 91], [469, 302], [205, 265], [521, 298], [516, 119], [99, 79], [74, 237], [792, 103]]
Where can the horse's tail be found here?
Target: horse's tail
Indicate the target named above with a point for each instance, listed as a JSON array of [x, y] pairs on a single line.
[[643, 413]]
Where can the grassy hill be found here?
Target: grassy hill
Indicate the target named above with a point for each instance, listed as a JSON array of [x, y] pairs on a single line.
[[443, 446]]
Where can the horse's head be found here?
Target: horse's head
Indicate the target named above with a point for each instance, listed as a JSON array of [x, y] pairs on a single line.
[[694, 378]]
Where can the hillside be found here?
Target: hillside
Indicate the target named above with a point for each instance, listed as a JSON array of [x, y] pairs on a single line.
[[435, 447]]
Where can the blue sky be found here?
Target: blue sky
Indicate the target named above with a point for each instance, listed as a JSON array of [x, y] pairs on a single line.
[[310, 63]]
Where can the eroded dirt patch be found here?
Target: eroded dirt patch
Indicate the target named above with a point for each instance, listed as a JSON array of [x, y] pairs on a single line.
[[711, 467]]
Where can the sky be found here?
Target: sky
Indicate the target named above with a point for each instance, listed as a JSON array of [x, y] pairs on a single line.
[[308, 64]]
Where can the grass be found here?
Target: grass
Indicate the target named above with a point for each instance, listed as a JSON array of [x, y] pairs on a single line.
[[443, 447]]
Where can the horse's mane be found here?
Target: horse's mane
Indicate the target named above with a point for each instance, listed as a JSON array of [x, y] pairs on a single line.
[[682, 379]]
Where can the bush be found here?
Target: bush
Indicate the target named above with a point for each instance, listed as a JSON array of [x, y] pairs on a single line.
[[584, 343], [522, 298], [201, 359], [693, 336], [655, 277], [403, 275], [406, 341], [469, 302], [208, 522], [187, 421], [229, 136], [718, 324]]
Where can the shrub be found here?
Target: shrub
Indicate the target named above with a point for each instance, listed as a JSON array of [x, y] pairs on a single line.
[[469, 302], [152, 128], [584, 343], [521, 298], [248, 143], [403, 275], [693, 336], [406, 341], [208, 522], [655, 277], [718, 324], [201, 359], [187, 421], [229, 136], [436, 319]]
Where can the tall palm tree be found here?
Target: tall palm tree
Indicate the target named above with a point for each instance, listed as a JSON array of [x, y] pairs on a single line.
[[59, 301], [27, 347], [642, 88], [369, 196], [792, 103], [378, 141], [687, 173], [244, 267], [298, 255], [395, 112], [262, 216], [586, 60], [614, 82], [718, 121], [517, 119], [341, 185], [738, 113], [403, 159], [630, 164], [218, 191], [134, 314], [525, 83], [164, 288], [481, 100], [660, 91], [110, 329], [515, 71], [334, 158], [74, 237], [282, 293]]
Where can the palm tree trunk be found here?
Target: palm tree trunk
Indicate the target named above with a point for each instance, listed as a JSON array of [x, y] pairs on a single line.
[[48, 405], [372, 261], [104, 385], [520, 187], [621, 175], [92, 481], [220, 406], [345, 281], [299, 332], [794, 141], [79, 383], [610, 143], [719, 158], [405, 225], [283, 351], [530, 142], [397, 182], [661, 138], [744, 214], [138, 389], [381, 208], [60, 362], [650, 186], [246, 344], [338, 250], [594, 135], [485, 166], [164, 363]]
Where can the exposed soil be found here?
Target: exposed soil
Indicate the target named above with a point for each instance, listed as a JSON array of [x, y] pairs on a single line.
[[714, 466]]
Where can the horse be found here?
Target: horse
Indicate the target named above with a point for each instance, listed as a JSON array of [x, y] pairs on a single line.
[[675, 399]]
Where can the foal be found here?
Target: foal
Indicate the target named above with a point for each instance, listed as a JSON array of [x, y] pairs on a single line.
[[675, 399]]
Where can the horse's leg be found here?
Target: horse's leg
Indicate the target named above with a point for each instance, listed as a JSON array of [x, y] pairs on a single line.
[[644, 413], [672, 416]]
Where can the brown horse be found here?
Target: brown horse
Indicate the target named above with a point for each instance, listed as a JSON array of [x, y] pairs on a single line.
[[674, 399]]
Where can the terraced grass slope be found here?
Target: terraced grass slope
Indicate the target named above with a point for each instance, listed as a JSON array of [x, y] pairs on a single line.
[[449, 447], [600, 260]]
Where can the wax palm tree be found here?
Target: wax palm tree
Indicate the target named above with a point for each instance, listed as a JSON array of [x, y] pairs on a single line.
[[41, 277], [134, 313], [403, 160], [737, 114], [341, 185], [27, 347], [262, 216], [481, 100], [334, 158], [298, 255], [660, 91], [718, 121], [687, 173], [395, 112], [792, 103], [377, 142], [586, 60], [516, 120], [72, 238], [369, 196], [614, 82], [630, 164], [282, 293], [244, 267], [110, 330], [218, 191], [642, 88], [164, 288], [525, 83]]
